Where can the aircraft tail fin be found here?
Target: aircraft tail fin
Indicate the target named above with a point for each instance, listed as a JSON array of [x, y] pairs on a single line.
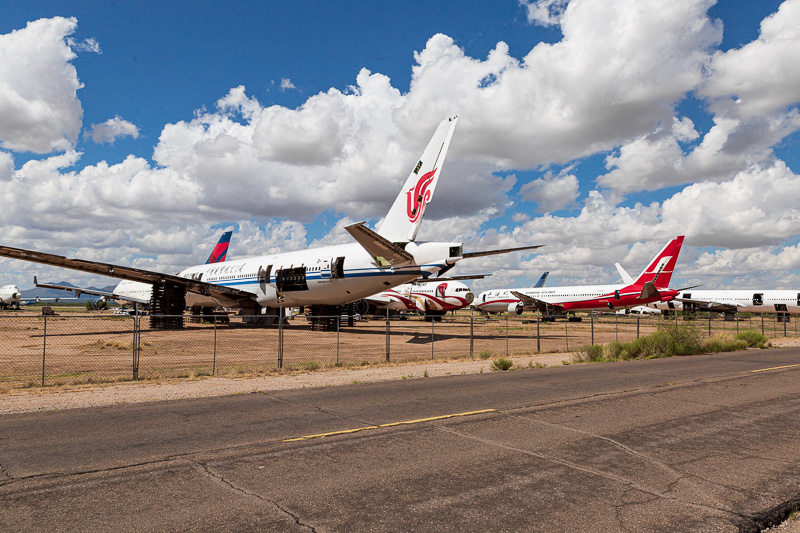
[[659, 271], [402, 222], [220, 251], [540, 283]]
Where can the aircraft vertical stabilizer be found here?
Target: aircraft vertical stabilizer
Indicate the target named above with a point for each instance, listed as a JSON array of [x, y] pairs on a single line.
[[403, 220], [659, 271], [220, 251]]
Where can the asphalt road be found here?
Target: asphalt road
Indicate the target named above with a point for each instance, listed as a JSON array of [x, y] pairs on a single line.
[[702, 443]]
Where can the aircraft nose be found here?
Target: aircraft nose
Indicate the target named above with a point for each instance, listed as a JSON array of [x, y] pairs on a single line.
[[469, 297]]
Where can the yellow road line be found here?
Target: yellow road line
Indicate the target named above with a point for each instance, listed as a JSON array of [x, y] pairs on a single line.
[[774, 368], [436, 418], [321, 435], [345, 431]]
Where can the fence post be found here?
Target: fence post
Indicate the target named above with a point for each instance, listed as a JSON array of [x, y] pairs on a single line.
[[280, 337], [737, 321], [709, 323], [637, 324], [538, 337], [591, 314], [214, 361], [762, 323], [471, 331], [388, 336], [44, 347], [433, 322], [338, 325], [507, 334], [137, 345], [566, 331], [616, 327]]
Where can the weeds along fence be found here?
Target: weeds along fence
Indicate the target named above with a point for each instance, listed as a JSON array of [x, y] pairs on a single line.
[[37, 351]]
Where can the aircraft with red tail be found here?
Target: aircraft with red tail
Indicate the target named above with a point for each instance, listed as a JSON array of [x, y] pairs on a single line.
[[652, 285]]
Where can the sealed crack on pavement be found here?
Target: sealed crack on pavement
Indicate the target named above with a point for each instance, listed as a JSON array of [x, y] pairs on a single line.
[[220, 479]]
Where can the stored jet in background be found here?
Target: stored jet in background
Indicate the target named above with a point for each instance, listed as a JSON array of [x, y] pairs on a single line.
[[734, 301], [432, 298], [321, 278], [9, 297], [651, 286]]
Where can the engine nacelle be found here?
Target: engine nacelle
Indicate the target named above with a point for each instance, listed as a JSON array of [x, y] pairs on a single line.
[[515, 308], [99, 303], [270, 298]]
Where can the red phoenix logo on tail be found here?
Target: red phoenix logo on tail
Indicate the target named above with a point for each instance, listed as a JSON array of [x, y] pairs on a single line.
[[419, 195]]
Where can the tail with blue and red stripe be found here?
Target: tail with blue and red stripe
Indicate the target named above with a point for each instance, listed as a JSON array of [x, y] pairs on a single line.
[[220, 251]]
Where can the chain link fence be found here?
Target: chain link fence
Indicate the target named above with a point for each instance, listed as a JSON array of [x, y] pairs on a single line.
[[37, 351]]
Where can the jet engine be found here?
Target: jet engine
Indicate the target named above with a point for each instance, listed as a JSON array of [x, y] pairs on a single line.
[[515, 308]]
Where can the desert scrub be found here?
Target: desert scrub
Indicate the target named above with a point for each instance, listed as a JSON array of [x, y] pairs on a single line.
[[502, 364], [753, 338], [485, 354]]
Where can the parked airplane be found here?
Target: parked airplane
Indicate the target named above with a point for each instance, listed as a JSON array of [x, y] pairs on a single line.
[[433, 298], [9, 297], [136, 292], [651, 285], [733, 301], [321, 278]]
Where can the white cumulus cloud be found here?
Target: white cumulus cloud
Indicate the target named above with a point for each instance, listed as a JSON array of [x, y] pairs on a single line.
[[112, 129]]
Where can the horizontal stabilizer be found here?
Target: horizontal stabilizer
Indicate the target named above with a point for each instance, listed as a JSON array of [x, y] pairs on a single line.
[[384, 252], [649, 291], [498, 252]]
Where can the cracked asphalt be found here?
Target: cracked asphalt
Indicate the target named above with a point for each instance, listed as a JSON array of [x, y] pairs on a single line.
[[698, 443]]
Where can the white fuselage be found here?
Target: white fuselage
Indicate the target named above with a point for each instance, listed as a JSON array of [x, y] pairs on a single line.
[[133, 289], [332, 275], [742, 300], [422, 296], [9, 296]]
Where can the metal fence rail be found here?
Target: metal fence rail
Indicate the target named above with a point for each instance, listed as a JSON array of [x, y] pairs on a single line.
[[54, 350]]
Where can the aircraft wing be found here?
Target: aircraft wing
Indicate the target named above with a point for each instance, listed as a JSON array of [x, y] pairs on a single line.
[[123, 272], [93, 292], [453, 278], [497, 252], [710, 305], [383, 251], [535, 303]]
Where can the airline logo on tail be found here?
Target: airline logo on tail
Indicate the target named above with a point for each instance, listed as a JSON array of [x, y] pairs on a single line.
[[220, 251], [419, 195]]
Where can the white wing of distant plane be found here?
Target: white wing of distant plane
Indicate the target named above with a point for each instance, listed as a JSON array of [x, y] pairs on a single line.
[[535, 303], [78, 291]]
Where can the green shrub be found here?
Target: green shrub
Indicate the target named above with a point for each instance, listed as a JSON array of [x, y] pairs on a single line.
[[591, 353], [485, 354], [310, 366], [502, 364], [753, 338]]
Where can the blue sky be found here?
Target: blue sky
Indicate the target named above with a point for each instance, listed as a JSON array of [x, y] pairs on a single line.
[[658, 108]]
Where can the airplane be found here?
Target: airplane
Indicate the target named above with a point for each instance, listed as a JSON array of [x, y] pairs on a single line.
[[320, 278], [651, 285], [135, 292], [734, 301], [9, 297], [432, 298], [541, 281]]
